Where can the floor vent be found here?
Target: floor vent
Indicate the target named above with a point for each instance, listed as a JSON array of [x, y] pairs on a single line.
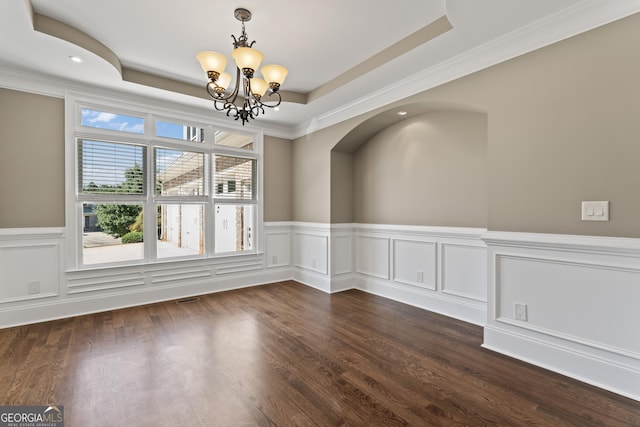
[[186, 300]]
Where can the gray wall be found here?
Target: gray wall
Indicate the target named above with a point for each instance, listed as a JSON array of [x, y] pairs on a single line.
[[563, 126], [342, 188], [32, 164], [31, 160], [429, 169], [278, 179]]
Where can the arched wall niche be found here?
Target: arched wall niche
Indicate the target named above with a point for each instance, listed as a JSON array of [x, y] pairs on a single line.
[[425, 168]]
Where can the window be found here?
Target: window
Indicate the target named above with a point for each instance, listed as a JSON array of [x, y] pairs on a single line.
[[235, 198], [104, 244], [178, 173], [180, 177], [110, 168], [179, 131], [149, 188], [111, 176], [111, 121], [231, 171], [228, 139]]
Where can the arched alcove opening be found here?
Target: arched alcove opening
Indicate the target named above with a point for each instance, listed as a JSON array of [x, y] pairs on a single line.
[[425, 168]]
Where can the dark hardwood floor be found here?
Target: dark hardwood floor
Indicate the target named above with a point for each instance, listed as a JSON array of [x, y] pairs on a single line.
[[282, 355]]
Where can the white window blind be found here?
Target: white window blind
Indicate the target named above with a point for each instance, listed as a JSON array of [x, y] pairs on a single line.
[[179, 173], [234, 178], [111, 168]]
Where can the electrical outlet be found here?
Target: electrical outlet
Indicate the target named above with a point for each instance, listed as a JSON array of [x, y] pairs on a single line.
[[34, 288], [420, 277], [520, 311], [313, 262], [274, 259]]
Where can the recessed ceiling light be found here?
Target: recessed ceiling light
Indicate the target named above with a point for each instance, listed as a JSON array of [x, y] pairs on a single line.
[[401, 113], [75, 59]]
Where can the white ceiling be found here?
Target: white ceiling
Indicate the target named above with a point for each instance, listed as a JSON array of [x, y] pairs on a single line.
[[317, 41]]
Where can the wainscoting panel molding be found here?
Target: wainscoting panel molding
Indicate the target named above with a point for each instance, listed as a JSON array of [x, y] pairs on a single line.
[[415, 263], [342, 260], [278, 245], [30, 264], [311, 251], [459, 281], [406, 264], [569, 304], [372, 256]]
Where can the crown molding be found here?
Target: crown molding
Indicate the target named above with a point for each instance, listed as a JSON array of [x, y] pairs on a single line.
[[569, 22], [41, 84], [584, 16]]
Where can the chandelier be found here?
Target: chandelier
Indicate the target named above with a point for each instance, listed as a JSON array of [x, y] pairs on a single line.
[[254, 89]]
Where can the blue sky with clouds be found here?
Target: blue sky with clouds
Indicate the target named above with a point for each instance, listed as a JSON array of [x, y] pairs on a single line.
[[106, 162]]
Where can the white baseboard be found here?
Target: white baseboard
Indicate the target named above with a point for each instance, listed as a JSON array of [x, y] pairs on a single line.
[[53, 309], [312, 279], [468, 311], [567, 360]]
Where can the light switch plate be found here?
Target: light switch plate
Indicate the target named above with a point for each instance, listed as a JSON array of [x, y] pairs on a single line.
[[595, 211]]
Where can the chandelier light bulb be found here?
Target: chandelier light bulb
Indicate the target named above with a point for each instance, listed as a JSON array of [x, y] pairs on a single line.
[[274, 73], [212, 61], [259, 87], [224, 80], [247, 58]]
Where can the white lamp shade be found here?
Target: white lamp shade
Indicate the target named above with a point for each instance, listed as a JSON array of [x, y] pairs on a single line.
[[247, 57], [212, 61], [224, 80], [258, 86], [274, 73]]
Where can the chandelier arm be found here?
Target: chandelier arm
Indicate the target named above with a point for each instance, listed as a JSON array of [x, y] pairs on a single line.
[[219, 95], [220, 105], [277, 102], [234, 95], [211, 90], [230, 107], [256, 109]]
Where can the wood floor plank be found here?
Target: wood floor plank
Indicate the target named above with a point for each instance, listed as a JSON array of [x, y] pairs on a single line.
[[287, 355]]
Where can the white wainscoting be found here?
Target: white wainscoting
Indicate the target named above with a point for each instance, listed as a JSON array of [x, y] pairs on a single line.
[[430, 267], [581, 295], [278, 245], [415, 263], [310, 247], [30, 264], [342, 250], [441, 269], [373, 256], [34, 286]]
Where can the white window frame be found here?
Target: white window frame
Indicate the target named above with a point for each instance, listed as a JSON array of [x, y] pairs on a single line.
[[74, 102]]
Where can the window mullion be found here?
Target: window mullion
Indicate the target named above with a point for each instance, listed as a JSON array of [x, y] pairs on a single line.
[[150, 208], [103, 171]]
